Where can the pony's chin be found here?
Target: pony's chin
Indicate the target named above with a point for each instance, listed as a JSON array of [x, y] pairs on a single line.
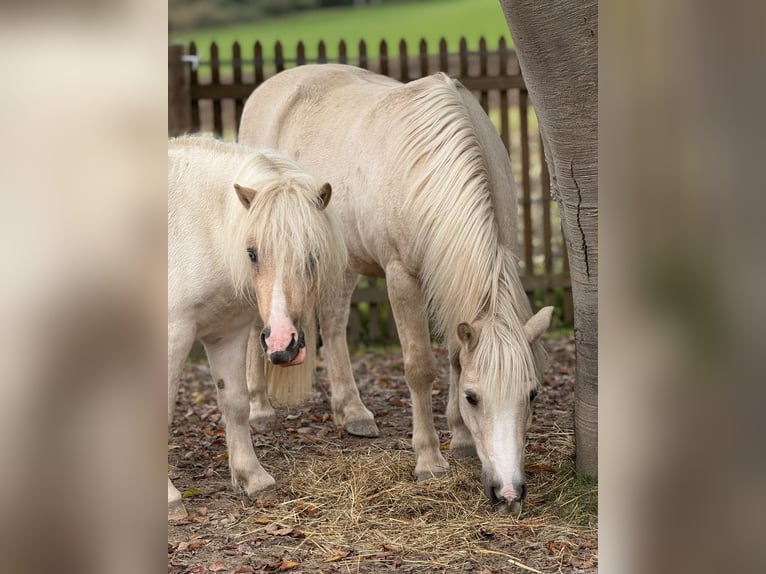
[[510, 508], [299, 358]]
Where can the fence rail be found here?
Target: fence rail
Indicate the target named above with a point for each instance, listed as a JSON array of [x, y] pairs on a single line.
[[209, 97]]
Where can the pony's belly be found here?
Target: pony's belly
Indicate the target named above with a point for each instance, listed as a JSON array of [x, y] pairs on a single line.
[[365, 266]]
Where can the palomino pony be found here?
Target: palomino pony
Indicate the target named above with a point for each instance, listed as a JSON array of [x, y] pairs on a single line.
[[424, 190], [250, 244]]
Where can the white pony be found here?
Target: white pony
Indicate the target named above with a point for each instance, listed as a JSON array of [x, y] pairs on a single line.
[[250, 244], [425, 194]]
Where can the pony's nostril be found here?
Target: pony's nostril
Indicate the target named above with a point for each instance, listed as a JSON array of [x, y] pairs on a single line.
[[264, 335], [293, 343], [301, 340], [523, 494]]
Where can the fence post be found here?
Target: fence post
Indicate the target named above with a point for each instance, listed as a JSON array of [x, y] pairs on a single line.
[[179, 92]]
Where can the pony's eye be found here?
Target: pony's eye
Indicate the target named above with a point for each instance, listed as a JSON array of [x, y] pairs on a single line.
[[253, 254], [532, 395], [472, 398]]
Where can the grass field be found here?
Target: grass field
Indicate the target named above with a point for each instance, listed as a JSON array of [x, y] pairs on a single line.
[[393, 21]]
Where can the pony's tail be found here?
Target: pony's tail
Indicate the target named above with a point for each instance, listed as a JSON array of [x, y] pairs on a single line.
[[291, 385]]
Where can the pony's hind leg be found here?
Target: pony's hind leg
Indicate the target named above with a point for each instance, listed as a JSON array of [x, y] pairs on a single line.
[[180, 340], [261, 412], [419, 368], [227, 366], [348, 410]]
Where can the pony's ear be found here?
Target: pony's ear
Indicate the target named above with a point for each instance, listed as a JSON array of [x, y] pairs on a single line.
[[325, 193], [538, 324], [467, 336], [245, 194]]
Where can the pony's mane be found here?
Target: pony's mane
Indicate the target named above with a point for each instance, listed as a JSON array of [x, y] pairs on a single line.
[[457, 236], [285, 225]]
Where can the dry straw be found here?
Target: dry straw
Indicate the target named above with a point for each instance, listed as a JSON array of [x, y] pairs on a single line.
[[367, 502]]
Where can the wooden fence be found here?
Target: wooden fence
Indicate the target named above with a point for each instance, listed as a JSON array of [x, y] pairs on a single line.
[[207, 92]]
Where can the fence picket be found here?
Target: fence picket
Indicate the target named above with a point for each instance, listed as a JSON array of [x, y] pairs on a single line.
[[483, 95], [239, 103], [300, 54], [525, 186], [258, 62], [404, 65], [363, 54], [342, 52], [215, 68], [193, 81], [321, 52], [423, 57], [383, 58], [443, 56]]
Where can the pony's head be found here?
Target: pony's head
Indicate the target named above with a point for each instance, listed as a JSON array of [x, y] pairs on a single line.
[[497, 379], [290, 250]]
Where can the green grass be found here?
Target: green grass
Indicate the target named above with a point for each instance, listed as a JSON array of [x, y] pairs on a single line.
[[574, 498], [411, 21]]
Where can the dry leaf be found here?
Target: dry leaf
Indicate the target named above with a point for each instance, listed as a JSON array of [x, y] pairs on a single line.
[[217, 566], [337, 555], [281, 531], [261, 520], [288, 565]]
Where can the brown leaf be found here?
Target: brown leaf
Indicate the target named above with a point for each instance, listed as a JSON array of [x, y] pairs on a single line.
[[539, 467], [575, 561], [288, 565], [281, 531], [392, 548], [261, 520], [336, 555], [245, 569], [217, 566]]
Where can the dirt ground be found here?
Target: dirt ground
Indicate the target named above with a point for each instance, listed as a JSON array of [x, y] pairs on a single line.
[[456, 532]]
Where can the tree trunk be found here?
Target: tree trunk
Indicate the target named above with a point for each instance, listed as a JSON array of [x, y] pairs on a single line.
[[557, 46]]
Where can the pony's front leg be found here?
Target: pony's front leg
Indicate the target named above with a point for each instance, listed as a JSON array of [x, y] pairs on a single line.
[[419, 368], [227, 365], [261, 412], [347, 408], [180, 340], [461, 445]]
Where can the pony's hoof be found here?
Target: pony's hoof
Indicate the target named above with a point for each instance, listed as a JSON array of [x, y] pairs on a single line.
[[264, 490], [265, 495], [464, 451], [176, 510], [263, 423], [364, 427], [426, 475]]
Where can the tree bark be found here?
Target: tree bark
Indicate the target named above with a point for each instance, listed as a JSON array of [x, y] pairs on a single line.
[[557, 46]]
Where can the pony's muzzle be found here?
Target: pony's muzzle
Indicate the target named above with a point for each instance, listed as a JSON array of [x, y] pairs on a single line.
[[504, 495], [289, 354]]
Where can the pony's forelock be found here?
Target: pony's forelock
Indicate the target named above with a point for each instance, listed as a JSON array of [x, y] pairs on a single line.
[[285, 225]]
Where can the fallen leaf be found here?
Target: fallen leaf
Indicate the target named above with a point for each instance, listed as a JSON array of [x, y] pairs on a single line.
[[575, 561], [288, 565], [244, 570], [538, 467], [336, 555], [189, 492], [281, 531], [392, 548], [217, 566], [261, 520]]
